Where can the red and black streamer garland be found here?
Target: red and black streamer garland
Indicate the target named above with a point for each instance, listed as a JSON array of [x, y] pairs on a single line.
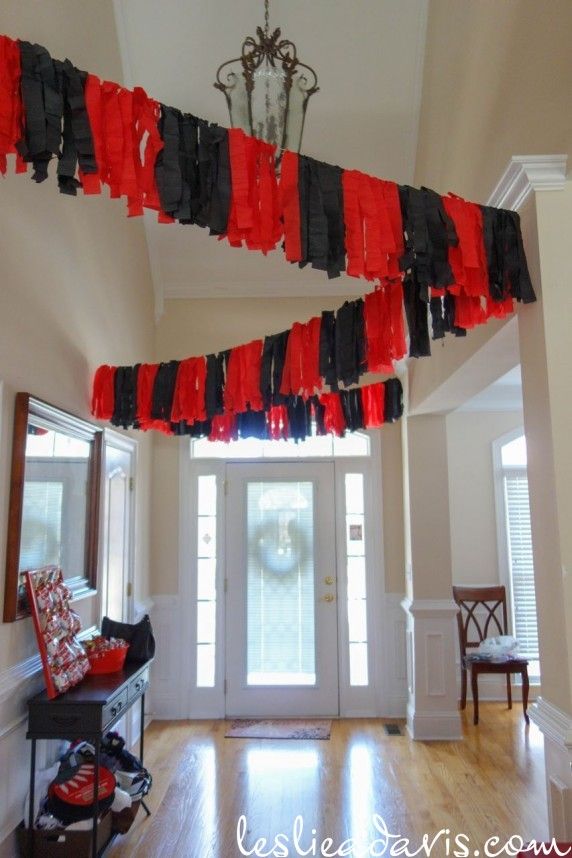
[[265, 389], [463, 262]]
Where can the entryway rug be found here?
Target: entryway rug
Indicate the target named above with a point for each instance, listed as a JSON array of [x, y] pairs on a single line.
[[277, 728]]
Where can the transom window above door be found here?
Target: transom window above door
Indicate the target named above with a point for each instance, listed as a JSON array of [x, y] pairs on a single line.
[[317, 446]]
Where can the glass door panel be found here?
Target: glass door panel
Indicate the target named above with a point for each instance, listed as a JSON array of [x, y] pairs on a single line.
[[281, 606], [280, 581]]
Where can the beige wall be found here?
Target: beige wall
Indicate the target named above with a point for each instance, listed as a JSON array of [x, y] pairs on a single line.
[[428, 521], [207, 325], [497, 83], [75, 293], [76, 286], [474, 551]]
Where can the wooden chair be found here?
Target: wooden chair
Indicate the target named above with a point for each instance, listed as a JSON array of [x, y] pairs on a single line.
[[483, 614]]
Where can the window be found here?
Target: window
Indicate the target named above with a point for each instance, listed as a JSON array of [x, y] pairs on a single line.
[[356, 569], [317, 446], [206, 580], [516, 546]]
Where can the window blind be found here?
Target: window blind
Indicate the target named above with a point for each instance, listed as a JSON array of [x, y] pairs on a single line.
[[521, 563]]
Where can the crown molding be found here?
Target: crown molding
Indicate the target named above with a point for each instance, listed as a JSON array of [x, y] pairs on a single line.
[[527, 173]]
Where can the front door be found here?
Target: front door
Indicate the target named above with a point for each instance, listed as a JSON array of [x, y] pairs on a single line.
[[281, 612]]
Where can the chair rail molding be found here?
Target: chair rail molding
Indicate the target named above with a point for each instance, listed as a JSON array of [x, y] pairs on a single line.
[[432, 708], [525, 174]]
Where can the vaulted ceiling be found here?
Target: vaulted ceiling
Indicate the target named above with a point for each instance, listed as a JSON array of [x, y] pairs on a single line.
[[369, 58]]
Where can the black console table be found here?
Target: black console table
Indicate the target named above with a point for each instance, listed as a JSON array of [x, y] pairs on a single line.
[[86, 711]]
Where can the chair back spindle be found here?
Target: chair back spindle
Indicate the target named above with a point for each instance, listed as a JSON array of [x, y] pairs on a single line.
[[482, 614]]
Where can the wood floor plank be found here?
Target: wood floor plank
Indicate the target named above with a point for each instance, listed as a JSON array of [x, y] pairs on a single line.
[[491, 783]]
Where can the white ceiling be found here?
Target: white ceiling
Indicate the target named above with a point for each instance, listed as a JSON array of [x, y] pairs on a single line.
[[368, 55]]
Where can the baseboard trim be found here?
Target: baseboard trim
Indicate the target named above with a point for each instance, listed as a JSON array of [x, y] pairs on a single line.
[[394, 707], [433, 726]]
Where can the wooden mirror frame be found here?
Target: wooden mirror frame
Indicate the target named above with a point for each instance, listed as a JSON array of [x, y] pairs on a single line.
[[53, 418]]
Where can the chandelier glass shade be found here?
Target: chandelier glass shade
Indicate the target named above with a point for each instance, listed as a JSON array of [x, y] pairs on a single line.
[[267, 88]]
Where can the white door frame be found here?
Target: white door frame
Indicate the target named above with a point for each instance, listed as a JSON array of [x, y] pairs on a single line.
[[210, 702], [127, 445]]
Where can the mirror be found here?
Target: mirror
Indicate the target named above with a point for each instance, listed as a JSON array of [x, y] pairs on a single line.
[[54, 500]]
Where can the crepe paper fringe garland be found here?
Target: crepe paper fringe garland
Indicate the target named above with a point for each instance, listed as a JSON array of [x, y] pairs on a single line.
[[463, 262]]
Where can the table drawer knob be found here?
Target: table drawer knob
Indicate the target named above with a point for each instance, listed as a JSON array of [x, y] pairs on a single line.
[[115, 709]]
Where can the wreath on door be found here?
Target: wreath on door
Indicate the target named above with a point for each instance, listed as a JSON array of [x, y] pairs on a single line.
[[280, 545]]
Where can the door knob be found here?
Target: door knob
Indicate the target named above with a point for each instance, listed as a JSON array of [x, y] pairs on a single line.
[[329, 597], [328, 580]]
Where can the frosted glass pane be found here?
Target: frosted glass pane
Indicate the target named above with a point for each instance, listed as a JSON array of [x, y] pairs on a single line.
[[205, 665], [207, 495], [206, 541], [279, 449], [355, 535], [206, 622], [280, 582], [358, 664], [354, 493], [356, 578], [513, 454], [206, 578], [354, 444], [317, 445], [357, 620]]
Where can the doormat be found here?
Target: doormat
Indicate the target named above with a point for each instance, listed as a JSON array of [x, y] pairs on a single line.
[[392, 729], [277, 728]]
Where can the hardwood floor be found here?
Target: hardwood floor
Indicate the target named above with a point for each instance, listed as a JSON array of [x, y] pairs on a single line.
[[492, 783]]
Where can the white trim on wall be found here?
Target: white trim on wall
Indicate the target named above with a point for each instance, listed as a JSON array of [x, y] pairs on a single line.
[[131, 446], [525, 174]]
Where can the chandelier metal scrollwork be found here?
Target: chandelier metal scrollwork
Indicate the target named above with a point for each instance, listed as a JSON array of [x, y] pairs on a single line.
[[268, 90]]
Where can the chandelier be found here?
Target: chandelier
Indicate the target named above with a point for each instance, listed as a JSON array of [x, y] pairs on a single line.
[[267, 88]]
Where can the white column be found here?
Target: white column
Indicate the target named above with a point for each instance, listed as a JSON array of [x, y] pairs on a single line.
[[432, 709], [545, 336]]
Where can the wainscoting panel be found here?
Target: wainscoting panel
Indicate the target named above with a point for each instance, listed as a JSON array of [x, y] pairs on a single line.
[[394, 662], [165, 693], [435, 661]]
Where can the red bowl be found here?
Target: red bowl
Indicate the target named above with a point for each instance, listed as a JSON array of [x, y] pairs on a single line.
[[108, 661]]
